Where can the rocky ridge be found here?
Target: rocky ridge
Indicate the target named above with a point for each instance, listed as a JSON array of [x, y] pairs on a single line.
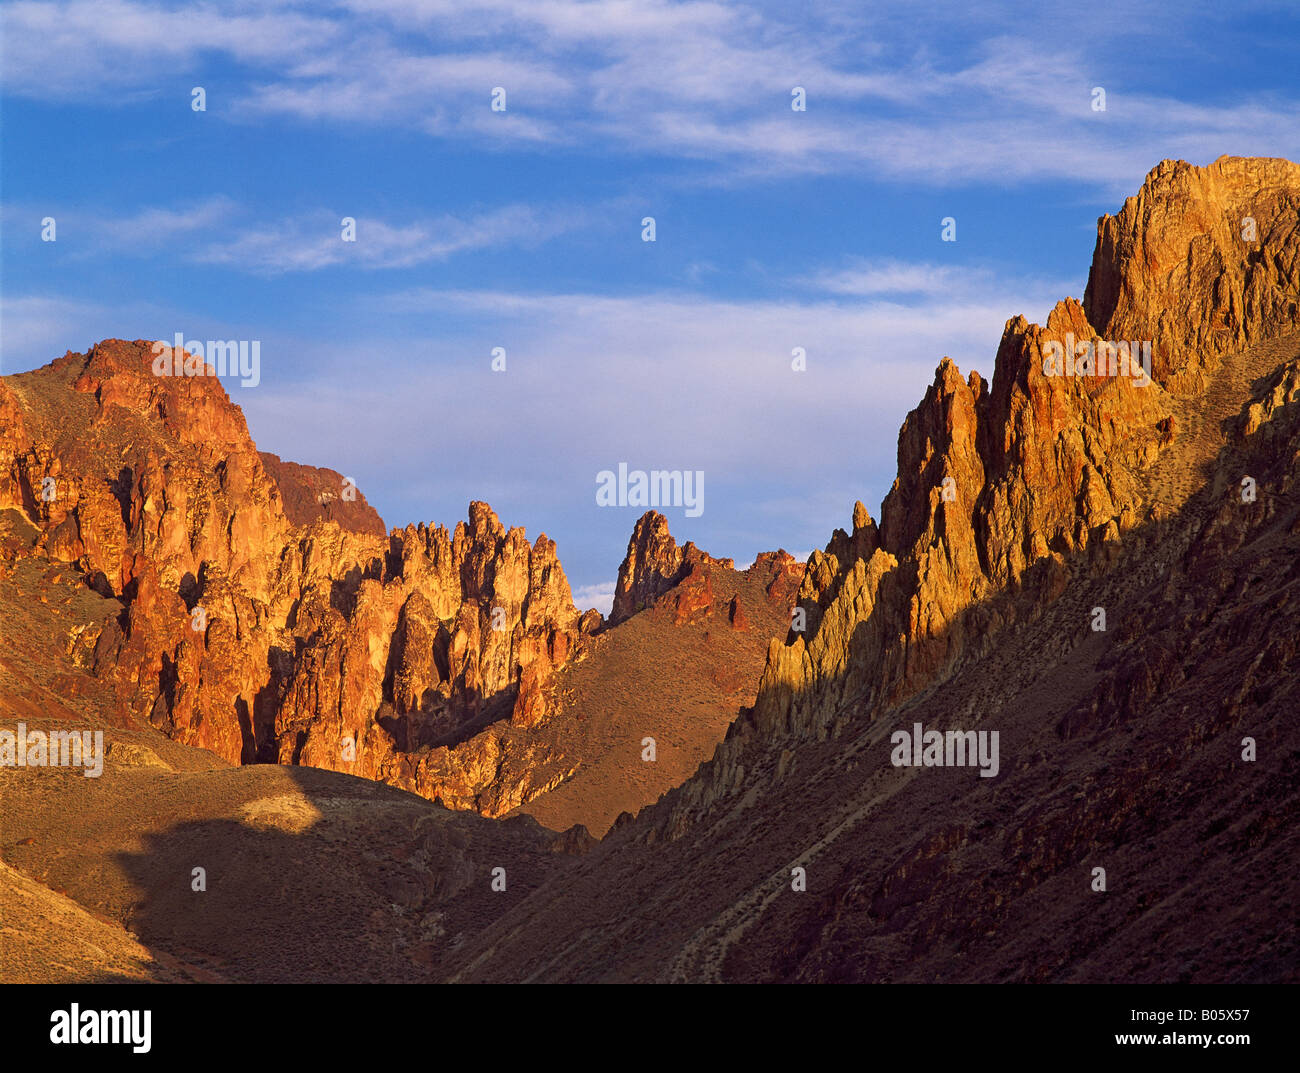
[[259, 615], [1000, 485], [243, 632], [1021, 508], [309, 493]]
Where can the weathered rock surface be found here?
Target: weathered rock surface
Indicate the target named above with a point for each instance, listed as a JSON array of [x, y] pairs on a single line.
[[311, 493], [999, 484], [310, 639], [1204, 262], [653, 565]]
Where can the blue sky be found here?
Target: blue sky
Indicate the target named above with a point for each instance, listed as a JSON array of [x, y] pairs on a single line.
[[521, 229]]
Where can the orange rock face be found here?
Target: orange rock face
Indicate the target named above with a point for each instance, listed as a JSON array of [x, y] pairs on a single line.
[[266, 618], [1202, 261], [302, 636], [998, 484], [653, 565]]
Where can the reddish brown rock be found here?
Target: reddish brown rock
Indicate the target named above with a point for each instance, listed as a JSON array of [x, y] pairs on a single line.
[[1201, 261], [310, 493], [318, 641], [998, 484], [783, 574], [653, 565], [692, 596]]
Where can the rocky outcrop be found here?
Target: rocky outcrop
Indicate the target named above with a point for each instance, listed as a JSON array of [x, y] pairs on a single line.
[[1202, 261], [310, 493], [1154, 751], [653, 565], [461, 628], [117, 466], [784, 575], [271, 625], [1001, 487], [263, 618]]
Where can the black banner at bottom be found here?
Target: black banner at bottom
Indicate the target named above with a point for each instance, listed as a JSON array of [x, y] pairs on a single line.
[[1241, 1024]]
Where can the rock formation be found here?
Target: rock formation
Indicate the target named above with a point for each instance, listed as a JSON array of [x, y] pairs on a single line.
[[1156, 742], [310, 639], [999, 485], [653, 565], [309, 493], [1021, 509], [266, 617], [1204, 262]]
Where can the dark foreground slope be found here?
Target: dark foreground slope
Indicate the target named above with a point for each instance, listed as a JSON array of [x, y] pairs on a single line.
[[1121, 750]]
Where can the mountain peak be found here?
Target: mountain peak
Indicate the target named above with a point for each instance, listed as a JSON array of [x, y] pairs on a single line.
[[1051, 461], [654, 563], [1202, 261]]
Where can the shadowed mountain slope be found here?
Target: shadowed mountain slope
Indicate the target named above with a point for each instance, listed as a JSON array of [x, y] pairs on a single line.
[[972, 607]]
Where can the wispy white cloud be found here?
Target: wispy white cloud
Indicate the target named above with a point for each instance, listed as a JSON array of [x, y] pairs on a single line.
[[659, 380], [890, 277], [157, 226], [874, 278], [705, 81], [220, 231], [83, 49], [308, 243]]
